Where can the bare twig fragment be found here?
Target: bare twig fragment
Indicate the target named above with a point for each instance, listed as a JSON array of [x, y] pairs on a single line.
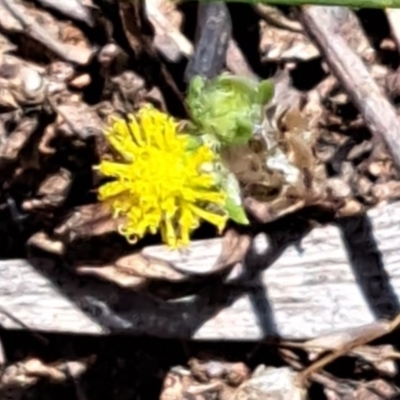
[[77, 118], [10, 149], [356, 337], [168, 38], [376, 389], [21, 22], [42, 241], [27, 372], [71, 8], [275, 17], [236, 61], [393, 15], [52, 192], [378, 113], [88, 220]]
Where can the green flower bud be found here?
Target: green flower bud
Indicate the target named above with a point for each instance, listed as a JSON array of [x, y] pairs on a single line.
[[228, 107]]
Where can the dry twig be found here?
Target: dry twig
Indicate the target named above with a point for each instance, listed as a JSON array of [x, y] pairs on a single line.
[[361, 337], [35, 31], [393, 16], [378, 113], [71, 8]]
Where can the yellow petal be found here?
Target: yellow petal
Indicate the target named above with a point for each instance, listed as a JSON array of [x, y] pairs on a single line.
[[186, 223], [111, 189], [115, 169], [168, 233], [218, 220], [135, 131]]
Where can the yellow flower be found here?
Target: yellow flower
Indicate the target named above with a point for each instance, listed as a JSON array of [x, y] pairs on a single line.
[[160, 184]]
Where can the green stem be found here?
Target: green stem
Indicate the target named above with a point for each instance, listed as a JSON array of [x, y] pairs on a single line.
[[344, 3]]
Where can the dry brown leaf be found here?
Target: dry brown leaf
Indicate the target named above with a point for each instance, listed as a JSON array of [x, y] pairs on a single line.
[[374, 390], [77, 118], [133, 270], [359, 150], [278, 45], [178, 384], [234, 250], [58, 74], [383, 170], [45, 147], [128, 90], [233, 373], [108, 54], [88, 220], [203, 256], [7, 100], [338, 188], [388, 191], [152, 268], [175, 384], [80, 81], [52, 192], [278, 171], [382, 357], [42, 241], [269, 383], [363, 186], [204, 391], [260, 210], [265, 212], [112, 274], [43, 28], [11, 148], [155, 96], [28, 372], [22, 83], [351, 207]]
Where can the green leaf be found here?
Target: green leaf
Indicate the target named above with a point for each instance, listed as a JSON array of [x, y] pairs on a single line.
[[236, 212], [233, 205], [265, 91], [194, 142]]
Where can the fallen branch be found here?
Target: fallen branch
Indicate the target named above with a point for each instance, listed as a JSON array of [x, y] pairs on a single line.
[[379, 114]]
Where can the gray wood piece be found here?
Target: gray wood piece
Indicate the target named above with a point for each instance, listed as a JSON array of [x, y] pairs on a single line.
[[341, 277]]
